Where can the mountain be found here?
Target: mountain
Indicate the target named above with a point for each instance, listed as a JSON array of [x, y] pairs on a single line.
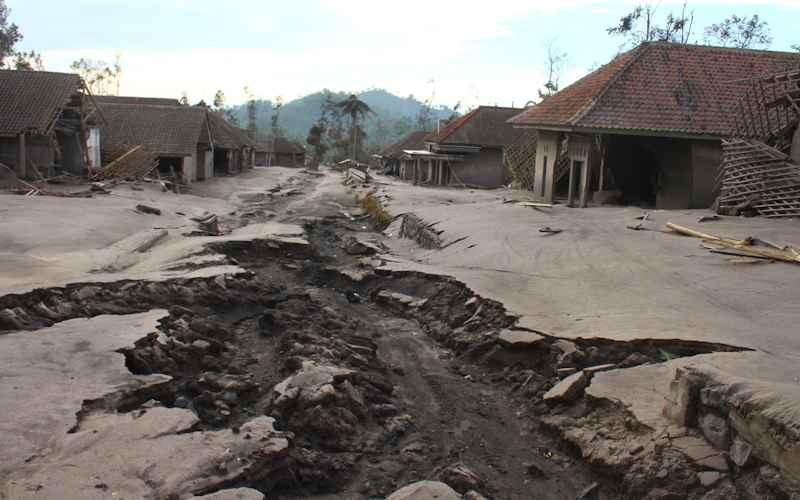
[[393, 116]]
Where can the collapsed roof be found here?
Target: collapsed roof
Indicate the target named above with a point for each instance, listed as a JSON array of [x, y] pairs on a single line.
[[32, 101], [659, 88]]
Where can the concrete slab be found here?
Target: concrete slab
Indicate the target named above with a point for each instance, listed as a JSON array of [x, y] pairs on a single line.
[[46, 375], [161, 458], [106, 238]]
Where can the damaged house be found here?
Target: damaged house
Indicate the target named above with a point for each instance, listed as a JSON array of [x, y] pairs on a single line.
[[189, 142], [646, 128], [468, 151], [390, 159], [45, 123], [276, 150]]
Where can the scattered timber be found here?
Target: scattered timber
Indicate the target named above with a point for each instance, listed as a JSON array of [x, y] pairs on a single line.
[[748, 247], [136, 163]]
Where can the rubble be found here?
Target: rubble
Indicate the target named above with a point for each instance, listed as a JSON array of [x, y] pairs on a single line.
[[520, 338], [425, 490], [568, 389]]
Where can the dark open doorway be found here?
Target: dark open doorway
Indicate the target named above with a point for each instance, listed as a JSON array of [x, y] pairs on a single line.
[[221, 162]]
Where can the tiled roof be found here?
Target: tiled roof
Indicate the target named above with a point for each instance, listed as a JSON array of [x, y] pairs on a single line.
[[281, 145], [660, 88], [32, 100], [483, 126], [167, 130], [225, 135], [115, 99], [414, 140]]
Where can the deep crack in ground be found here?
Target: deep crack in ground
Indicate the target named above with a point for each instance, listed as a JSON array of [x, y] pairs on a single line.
[[400, 375]]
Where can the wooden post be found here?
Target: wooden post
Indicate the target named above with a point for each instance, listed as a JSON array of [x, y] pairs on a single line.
[[571, 192], [584, 183], [22, 158]]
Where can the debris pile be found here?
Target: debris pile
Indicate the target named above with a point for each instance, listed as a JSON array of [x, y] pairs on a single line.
[[136, 163], [756, 176]]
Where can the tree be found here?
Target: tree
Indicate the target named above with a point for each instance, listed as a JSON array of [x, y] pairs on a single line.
[[740, 32], [184, 100], [640, 25], [796, 47], [355, 108], [274, 120], [555, 63], [219, 101], [28, 61], [252, 109], [10, 35], [101, 78]]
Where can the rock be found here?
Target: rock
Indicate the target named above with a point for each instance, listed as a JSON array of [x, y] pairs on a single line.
[[740, 452], [713, 397], [520, 338], [425, 490], [634, 359], [86, 293], [461, 478], [709, 478], [701, 453], [226, 382], [201, 344], [312, 384], [354, 246], [716, 430], [568, 389], [474, 495], [234, 494], [10, 321], [146, 209], [400, 298], [591, 492]]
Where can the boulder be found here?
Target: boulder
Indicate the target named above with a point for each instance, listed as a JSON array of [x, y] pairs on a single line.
[[716, 430], [740, 452], [461, 478], [425, 490]]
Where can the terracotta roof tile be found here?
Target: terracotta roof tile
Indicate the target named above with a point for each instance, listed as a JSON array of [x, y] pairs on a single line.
[[485, 126], [413, 141], [661, 87], [32, 100]]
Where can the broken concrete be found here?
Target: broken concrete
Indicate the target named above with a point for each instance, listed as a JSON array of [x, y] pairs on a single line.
[[49, 373], [521, 338], [568, 389], [161, 458]]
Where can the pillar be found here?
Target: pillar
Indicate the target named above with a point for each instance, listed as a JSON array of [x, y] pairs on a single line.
[[22, 159], [544, 165]]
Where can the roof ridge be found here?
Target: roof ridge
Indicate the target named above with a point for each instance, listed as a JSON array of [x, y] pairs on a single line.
[[718, 47], [586, 109], [456, 124]]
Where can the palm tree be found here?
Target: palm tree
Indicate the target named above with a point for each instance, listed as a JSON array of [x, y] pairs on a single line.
[[356, 108]]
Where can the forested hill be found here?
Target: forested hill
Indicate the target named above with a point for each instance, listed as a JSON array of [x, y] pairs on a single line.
[[393, 116]]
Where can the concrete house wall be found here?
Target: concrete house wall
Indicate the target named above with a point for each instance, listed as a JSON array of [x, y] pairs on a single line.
[[484, 169]]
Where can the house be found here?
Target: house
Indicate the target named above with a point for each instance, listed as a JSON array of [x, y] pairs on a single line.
[[468, 151], [276, 150], [190, 142], [45, 122], [648, 124], [233, 147], [389, 158]]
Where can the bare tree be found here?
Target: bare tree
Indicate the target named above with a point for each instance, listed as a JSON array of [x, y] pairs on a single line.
[[252, 108], [184, 100], [28, 61], [554, 65], [101, 78], [219, 101], [740, 32], [641, 25]]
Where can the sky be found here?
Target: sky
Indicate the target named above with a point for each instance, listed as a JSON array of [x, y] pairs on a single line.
[[472, 52]]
